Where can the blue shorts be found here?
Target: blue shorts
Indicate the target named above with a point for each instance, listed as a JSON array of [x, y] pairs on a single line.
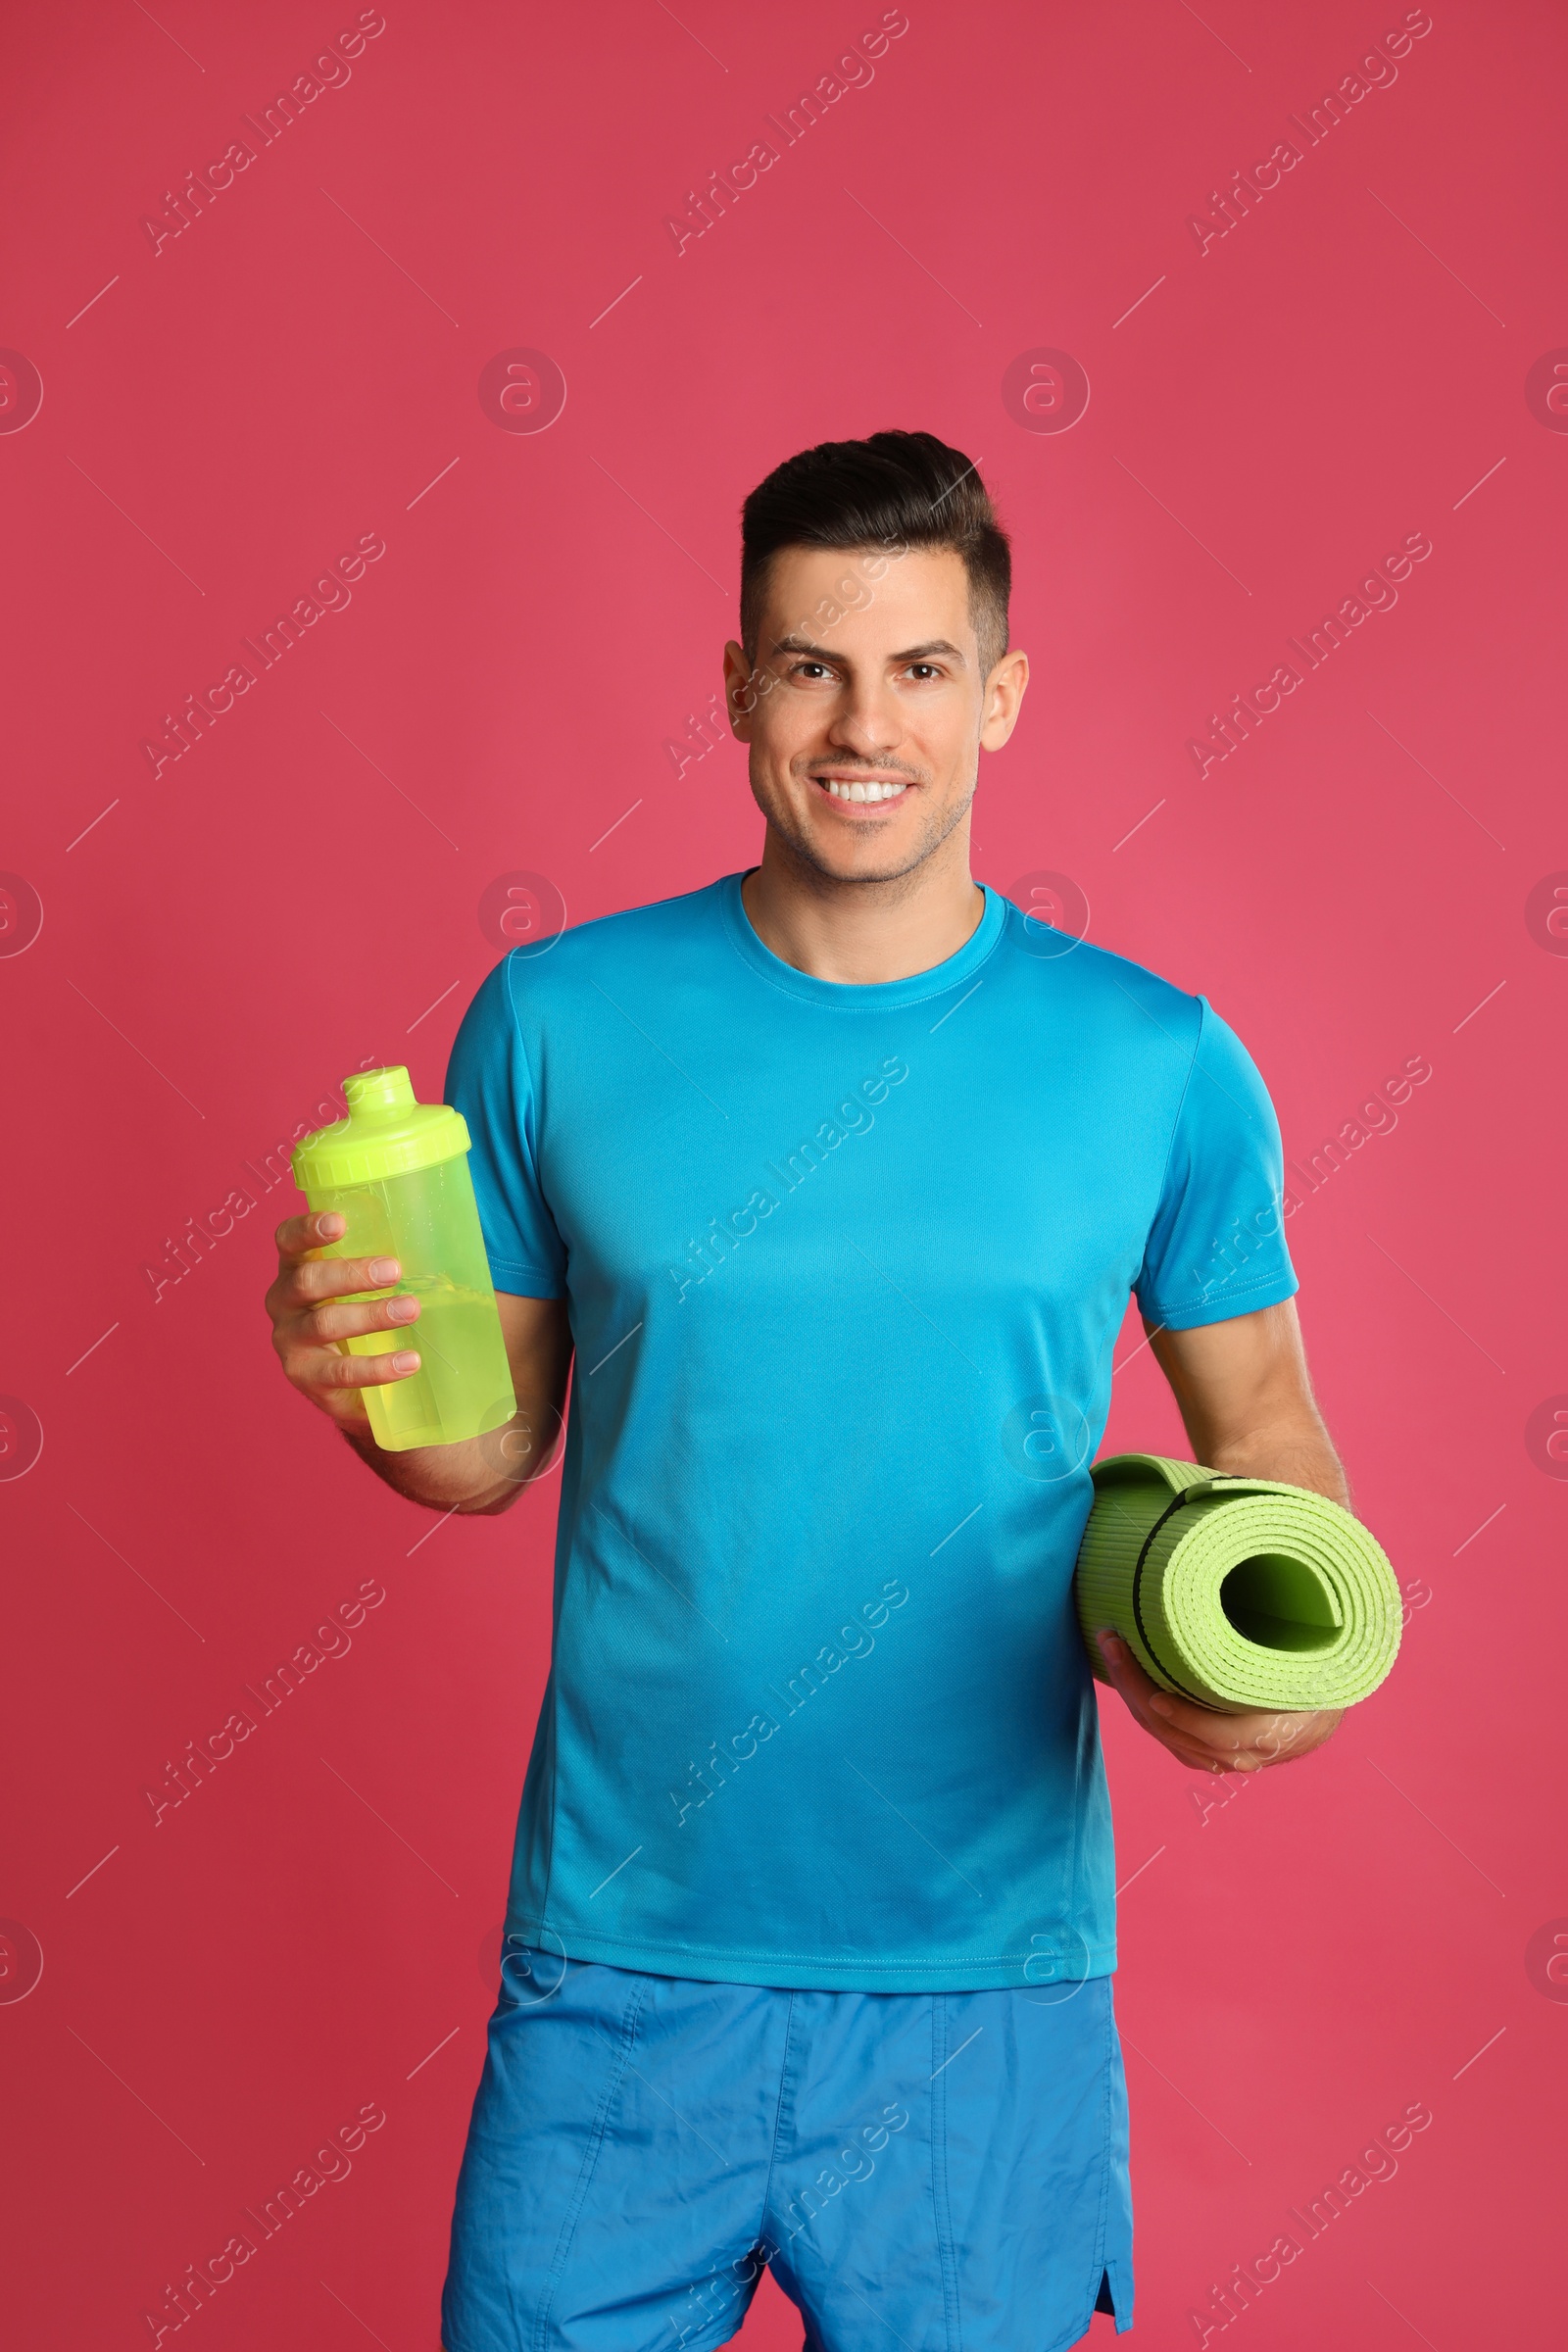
[[948, 2171]]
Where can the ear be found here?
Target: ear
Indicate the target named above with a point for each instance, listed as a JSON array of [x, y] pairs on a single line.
[[1004, 693], [741, 693]]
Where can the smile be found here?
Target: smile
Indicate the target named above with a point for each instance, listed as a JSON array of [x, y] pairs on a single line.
[[857, 791]]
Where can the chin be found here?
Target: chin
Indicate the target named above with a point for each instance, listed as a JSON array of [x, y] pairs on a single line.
[[868, 862]]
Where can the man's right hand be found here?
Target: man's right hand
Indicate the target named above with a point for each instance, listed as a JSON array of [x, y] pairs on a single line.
[[310, 1318]]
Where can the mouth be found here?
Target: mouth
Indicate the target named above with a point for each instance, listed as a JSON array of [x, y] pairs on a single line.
[[861, 797]]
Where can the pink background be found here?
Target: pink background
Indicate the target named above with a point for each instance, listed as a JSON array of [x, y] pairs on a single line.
[[299, 894]]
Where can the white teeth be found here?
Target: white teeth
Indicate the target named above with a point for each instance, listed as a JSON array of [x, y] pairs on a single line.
[[865, 791]]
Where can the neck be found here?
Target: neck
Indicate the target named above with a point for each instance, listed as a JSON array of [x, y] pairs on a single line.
[[862, 933]]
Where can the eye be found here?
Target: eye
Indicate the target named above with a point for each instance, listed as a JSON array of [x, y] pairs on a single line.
[[798, 667], [930, 668]]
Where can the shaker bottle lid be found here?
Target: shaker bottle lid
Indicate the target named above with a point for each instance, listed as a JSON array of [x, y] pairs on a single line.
[[386, 1133]]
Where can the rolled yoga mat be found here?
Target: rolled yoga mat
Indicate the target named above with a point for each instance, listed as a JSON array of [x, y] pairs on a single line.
[[1236, 1592]]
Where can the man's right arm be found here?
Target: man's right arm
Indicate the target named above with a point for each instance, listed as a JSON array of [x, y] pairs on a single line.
[[309, 1320]]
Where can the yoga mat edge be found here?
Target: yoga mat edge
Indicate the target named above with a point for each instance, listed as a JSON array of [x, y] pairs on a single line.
[[1237, 1594]]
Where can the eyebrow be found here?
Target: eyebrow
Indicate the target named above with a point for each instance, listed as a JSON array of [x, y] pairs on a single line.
[[793, 643]]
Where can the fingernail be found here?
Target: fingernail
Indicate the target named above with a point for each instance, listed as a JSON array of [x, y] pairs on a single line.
[[402, 1310], [406, 1362], [384, 1269], [331, 1225], [1159, 1706]]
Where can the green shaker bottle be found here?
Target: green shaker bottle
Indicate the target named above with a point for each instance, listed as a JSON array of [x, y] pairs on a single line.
[[397, 1171]]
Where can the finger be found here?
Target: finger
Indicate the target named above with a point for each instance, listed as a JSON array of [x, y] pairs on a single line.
[[1250, 1742], [1133, 1686], [1257, 1729], [1203, 1730], [1222, 1759], [325, 1324], [1126, 1674], [1196, 1735], [1308, 1733], [1144, 1701], [309, 1231], [1277, 1738], [314, 1279], [324, 1368], [1206, 1727], [1196, 1759]]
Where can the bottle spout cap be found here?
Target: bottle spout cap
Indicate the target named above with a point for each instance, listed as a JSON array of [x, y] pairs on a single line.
[[377, 1097], [388, 1132]]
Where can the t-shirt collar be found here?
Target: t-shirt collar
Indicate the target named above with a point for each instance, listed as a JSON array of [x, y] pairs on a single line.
[[846, 996]]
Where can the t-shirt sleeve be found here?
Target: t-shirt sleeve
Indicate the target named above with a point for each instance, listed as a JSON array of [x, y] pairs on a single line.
[[1216, 1246], [490, 1082]]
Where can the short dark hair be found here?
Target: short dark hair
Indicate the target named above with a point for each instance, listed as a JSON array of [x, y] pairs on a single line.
[[891, 491]]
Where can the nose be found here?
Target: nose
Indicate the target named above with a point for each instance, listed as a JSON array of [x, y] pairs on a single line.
[[866, 722]]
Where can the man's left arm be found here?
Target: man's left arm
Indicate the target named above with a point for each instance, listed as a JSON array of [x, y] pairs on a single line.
[[1247, 1402]]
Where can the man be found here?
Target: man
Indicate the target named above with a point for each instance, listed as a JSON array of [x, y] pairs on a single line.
[[836, 1177]]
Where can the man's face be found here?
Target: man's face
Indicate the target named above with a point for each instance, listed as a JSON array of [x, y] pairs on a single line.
[[870, 708]]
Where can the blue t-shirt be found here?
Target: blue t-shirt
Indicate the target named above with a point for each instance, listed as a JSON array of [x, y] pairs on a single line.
[[844, 1266]]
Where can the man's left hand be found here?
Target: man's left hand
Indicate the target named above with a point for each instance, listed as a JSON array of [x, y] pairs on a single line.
[[1200, 1737]]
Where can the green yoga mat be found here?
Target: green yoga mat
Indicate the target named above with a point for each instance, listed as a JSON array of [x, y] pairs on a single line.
[[1237, 1593]]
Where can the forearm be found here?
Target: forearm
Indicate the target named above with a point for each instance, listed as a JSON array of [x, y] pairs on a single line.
[[1298, 1451], [484, 1476], [1246, 1403], [460, 1478]]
